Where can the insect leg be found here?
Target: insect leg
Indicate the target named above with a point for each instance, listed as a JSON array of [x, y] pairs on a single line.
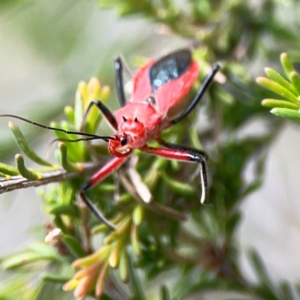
[[96, 178], [105, 111], [179, 147], [184, 154], [119, 68], [205, 85]]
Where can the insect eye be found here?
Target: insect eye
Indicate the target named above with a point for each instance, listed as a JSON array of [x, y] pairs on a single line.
[[123, 140]]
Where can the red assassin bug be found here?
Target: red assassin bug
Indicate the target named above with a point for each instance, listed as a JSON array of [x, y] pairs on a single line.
[[158, 101]]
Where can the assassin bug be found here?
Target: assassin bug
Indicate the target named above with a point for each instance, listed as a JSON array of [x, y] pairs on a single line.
[[158, 101]]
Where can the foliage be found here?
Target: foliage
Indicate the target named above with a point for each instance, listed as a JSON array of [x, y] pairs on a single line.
[[152, 245], [289, 89]]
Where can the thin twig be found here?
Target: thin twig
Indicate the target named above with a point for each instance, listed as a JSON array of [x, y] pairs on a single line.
[[19, 182]]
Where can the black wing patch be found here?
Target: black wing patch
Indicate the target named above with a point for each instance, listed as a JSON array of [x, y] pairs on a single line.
[[169, 67]]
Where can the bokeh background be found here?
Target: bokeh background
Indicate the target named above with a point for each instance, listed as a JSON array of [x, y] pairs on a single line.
[[47, 47]]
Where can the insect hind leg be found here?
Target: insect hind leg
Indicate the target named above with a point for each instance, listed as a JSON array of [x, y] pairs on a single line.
[[119, 75], [207, 82], [185, 154]]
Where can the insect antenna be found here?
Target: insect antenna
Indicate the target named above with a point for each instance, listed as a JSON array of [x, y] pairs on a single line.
[[76, 140], [90, 135]]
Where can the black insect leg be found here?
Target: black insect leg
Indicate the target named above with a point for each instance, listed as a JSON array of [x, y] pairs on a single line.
[[205, 85], [105, 111], [119, 69], [185, 154], [106, 170]]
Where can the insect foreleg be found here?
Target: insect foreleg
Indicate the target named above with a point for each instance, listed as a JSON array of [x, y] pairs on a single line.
[[184, 154], [105, 111], [95, 179]]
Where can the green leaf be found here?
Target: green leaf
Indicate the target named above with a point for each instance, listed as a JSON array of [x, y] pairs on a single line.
[[135, 283], [114, 256], [276, 77], [297, 288], [73, 245], [137, 215], [123, 266], [266, 292], [286, 113], [232, 223], [286, 290], [25, 258], [69, 112], [76, 151], [23, 145], [99, 229], [195, 138], [67, 165], [8, 170], [277, 88], [208, 282], [279, 103], [295, 79], [286, 64], [259, 268], [134, 240], [106, 187], [250, 188], [63, 209], [29, 174], [59, 223], [43, 248], [179, 187], [165, 293], [78, 109], [55, 278]]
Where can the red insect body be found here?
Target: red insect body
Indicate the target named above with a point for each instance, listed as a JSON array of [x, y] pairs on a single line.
[[141, 83], [147, 114], [171, 96], [158, 101]]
